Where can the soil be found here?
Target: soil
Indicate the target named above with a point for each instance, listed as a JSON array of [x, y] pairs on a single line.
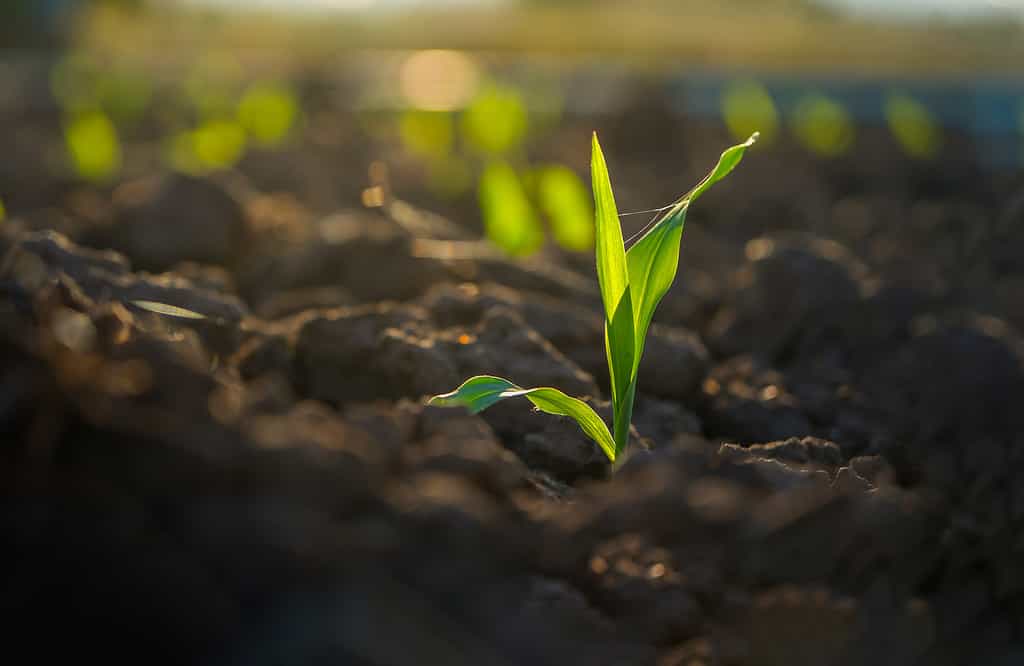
[[826, 465]]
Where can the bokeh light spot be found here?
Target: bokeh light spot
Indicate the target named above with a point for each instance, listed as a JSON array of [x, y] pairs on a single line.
[[438, 80], [373, 197]]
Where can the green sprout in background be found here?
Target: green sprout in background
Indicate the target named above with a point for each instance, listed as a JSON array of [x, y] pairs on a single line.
[[913, 126], [509, 220], [564, 200], [93, 146], [747, 106], [495, 125], [632, 284], [514, 197], [268, 112], [823, 126], [219, 144], [496, 121], [230, 117], [96, 100], [214, 145]]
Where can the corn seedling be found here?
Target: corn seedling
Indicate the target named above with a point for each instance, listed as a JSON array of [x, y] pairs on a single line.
[[632, 284]]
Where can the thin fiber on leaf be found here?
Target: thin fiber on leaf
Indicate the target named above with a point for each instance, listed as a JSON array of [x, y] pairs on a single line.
[[478, 393]]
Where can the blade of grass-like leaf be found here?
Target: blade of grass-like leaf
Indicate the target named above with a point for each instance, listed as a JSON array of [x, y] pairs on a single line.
[[654, 259], [611, 252], [613, 277], [478, 393]]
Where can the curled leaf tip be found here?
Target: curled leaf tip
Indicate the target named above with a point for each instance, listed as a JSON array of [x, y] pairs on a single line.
[[752, 140]]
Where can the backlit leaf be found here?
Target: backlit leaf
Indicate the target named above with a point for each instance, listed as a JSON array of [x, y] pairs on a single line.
[[612, 275], [478, 393]]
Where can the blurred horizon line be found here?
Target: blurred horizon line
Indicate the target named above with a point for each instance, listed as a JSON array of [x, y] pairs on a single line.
[[875, 9]]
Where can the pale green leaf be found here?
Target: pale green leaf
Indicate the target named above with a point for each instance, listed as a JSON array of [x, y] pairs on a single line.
[[478, 393]]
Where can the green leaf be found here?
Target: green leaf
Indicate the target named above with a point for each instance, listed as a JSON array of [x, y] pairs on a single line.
[[654, 259], [478, 393], [613, 278], [726, 163], [610, 250]]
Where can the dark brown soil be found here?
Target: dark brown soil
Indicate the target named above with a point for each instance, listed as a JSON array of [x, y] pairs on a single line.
[[826, 470]]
